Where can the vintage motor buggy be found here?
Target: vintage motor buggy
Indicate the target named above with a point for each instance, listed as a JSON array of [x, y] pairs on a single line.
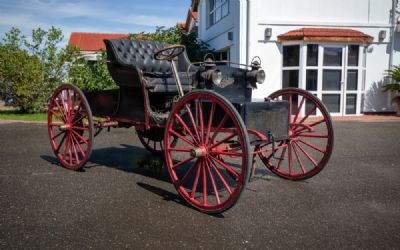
[[200, 116]]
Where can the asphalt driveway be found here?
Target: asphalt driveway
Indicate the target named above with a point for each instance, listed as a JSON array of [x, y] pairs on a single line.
[[121, 201]]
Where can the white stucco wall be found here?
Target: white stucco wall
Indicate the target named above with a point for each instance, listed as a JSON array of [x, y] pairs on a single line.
[[368, 16]]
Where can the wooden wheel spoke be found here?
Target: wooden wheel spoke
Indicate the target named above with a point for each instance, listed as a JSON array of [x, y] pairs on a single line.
[[222, 179], [196, 180], [308, 114], [214, 186], [75, 152], [179, 149], [281, 158], [184, 178], [309, 125], [311, 145], [79, 145], [80, 137], [66, 146], [186, 128], [227, 153], [224, 165], [290, 162], [60, 143], [204, 177], [193, 123], [313, 135], [210, 120], [222, 141], [181, 163], [181, 137], [79, 120], [298, 158], [201, 121], [222, 122], [62, 112], [57, 135], [299, 109], [68, 106], [306, 154], [56, 115]]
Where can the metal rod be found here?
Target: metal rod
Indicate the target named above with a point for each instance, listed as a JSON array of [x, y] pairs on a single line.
[[178, 80]]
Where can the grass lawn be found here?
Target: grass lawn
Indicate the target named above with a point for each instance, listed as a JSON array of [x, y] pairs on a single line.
[[16, 115]]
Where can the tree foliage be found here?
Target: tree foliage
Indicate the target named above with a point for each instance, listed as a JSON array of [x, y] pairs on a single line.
[[91, 75], [30, 69], [394, 75], [195, 48]]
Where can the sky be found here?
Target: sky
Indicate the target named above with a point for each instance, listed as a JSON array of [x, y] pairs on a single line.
[[102, 16]]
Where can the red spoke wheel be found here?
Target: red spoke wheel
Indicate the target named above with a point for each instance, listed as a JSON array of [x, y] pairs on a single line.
[[310, 142], [152, 140], [70, 126], [210, 158]]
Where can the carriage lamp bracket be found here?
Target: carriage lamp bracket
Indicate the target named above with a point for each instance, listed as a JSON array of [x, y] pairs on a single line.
[[255, 63]]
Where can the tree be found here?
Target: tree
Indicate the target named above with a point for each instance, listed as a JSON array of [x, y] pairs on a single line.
[[31, 69], [196, 49], [89, 75], [394, 75]]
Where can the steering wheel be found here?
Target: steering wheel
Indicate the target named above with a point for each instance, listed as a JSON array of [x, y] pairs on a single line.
[[169, 53]]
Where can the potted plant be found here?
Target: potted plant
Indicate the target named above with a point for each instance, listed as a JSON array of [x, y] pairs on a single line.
[[394, 86]]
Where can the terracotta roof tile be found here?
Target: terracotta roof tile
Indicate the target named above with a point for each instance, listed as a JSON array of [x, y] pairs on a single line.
[[91, 41], [325, 35]]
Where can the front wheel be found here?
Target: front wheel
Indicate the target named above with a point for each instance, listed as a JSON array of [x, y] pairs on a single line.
[[70, 126], [209, 161], [310, 143]]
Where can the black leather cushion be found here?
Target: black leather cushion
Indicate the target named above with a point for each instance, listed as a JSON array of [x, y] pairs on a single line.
[[138, 53], [166, 82]]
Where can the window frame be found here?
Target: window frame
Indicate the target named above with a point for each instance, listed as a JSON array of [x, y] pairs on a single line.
[[218, 5], [303, 67]]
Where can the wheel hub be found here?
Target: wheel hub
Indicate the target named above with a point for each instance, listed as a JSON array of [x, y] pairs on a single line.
[[198, 152], [65, 127]]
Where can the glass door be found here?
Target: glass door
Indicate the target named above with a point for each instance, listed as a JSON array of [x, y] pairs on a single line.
[[333, 78]]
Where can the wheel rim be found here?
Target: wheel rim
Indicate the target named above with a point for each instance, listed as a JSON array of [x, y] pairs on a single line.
[[154, 144], [209, 162], [70, 127], [310, 141]]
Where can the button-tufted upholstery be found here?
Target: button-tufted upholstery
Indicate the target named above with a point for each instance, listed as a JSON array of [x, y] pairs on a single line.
[[125, 54], [138, 53]]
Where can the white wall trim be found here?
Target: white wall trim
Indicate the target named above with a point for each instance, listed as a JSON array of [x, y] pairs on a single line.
[[322, 24]]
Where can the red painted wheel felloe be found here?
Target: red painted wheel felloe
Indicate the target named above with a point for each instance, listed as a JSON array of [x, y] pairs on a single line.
[[209, 160], [310, 142], [152, 140], [70, 126]]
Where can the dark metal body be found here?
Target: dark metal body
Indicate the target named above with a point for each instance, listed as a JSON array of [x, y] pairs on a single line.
[[147, 90]]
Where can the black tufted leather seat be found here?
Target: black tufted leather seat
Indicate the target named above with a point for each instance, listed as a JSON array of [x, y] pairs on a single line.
[[126, 56]]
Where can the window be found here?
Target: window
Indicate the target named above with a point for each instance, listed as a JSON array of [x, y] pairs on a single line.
[[291, 66], [335, 73], [218, 10], [222, 55]]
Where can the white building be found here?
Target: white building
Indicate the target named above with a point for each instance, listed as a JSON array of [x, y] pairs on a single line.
[[339, 50]]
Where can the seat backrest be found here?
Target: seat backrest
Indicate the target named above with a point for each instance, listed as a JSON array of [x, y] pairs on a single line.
[[136, 53]]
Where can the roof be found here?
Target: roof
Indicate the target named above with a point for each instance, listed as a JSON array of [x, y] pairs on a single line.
[[325, 35], [91, 41]]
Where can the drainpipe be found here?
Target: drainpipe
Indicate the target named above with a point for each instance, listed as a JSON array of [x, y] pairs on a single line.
[[392, 33], [248, 35]]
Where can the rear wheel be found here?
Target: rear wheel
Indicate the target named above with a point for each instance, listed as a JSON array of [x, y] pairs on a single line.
[[70, 126], [209, 163], [152, 139], [310, 142]]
